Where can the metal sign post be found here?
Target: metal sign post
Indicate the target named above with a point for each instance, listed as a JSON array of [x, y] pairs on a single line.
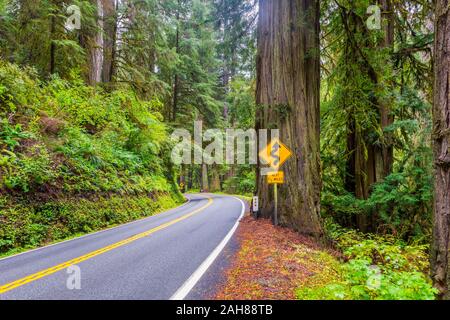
[[275, 178], [275, 192]]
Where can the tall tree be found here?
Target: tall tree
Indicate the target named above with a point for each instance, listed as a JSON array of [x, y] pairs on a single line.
[[110, 38], [441, 141], [176, 80], [362, 90], [141, 54], [234, 24], [194, 75], [374, 99], [287, 95], [385, 153], [36, 36], [94, 46]]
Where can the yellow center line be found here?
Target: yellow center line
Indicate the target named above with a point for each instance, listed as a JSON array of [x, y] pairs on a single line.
[[38, 275]]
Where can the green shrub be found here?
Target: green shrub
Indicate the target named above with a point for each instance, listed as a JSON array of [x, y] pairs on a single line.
[[75, 138], [22, 172], [242, 183], [377, 268], [29, 225], [361, 280], [399, 204], [17, 88], [10, 136], [65, 142], [385, 251]]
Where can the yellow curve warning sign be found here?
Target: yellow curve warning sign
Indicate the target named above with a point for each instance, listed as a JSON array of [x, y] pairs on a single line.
[[275, 154]]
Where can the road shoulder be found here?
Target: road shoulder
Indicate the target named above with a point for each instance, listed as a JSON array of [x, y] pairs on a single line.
[[214, 278], [271, 263]]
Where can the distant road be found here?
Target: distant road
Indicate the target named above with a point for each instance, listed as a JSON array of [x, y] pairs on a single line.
[[160, 257]]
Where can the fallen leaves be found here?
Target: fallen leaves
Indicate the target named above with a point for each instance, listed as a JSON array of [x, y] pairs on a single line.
[[271, 263]]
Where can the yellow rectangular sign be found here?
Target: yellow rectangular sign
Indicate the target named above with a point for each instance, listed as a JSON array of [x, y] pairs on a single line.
[[276, 178]]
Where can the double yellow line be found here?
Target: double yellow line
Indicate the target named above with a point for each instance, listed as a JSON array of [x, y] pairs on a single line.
[[38, 275]]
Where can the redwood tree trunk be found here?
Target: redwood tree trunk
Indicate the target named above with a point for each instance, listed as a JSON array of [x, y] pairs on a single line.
[[52, 45], [94, 46], [110, 30], [441, 142], [215, 179], [386, 161], [288, 83], [205, 180], [368, 161], [176, 81]]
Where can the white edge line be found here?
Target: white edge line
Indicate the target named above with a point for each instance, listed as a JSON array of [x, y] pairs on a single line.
[[184, 290], [94, 233]]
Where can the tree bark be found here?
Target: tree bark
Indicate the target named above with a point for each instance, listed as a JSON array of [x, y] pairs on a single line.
[[190, 177], [94, 47], [182, 180], [176, 81], [288, 93], [215, 179], [52, 44], [369, 160], [205, 181], [110, 37], [441, 147], [386, 153]]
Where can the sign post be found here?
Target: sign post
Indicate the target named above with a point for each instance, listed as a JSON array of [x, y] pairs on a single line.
[[255, 206], [275, 214], [275, 154], [275, 178]]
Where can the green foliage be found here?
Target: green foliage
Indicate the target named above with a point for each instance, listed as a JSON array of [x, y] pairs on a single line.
[[361, 281], [377, 268], [387, 252], [242, 183], [10, 136], [31, 29], [401, 203], [241, 99], [241, 114], [171, 58], [61, 142], [14, 88], [23, 172], [70, 137], [235, 22], [197, 65], [28, 225], [363, 73]]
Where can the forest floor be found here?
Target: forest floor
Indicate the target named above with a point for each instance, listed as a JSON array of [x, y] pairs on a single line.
[[273, 262]]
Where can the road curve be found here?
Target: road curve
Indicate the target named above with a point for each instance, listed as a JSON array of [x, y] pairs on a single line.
[[157, 258]]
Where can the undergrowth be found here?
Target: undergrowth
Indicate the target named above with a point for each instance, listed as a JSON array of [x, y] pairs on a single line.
[[64, 136], [373, 268], [76, 159], [30, 225]]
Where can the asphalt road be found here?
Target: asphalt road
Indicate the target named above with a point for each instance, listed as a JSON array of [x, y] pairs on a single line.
[[160, 257]]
